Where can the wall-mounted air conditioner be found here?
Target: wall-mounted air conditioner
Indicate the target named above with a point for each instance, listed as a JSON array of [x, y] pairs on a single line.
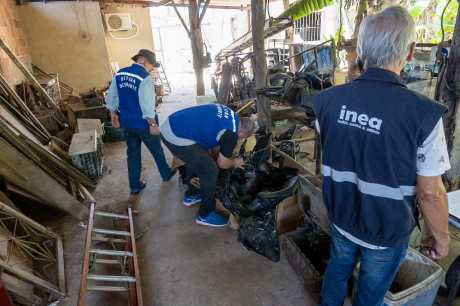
[[118, 22]]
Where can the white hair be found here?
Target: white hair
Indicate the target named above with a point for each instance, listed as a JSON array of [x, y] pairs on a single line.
[[384, 39]]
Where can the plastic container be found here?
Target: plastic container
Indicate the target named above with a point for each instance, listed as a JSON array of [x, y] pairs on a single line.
[[416, 283], [309, 263], [112, 134]]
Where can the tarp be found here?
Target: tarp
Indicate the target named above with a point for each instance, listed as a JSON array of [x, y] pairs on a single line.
[[302, 8]]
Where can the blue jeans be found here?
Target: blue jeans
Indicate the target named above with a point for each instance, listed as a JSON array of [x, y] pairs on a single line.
[[378, 268], [134, 139]]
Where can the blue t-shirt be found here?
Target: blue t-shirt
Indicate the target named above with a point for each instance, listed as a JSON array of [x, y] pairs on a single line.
[[204, 124]]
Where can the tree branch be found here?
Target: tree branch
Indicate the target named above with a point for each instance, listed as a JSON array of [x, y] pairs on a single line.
[[203, 11], [181, 20]]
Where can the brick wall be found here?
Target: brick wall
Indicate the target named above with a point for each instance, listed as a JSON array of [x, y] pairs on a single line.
[[11, 31]]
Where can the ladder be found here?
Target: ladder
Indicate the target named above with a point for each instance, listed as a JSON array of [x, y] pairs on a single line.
[[164, 79], [121, 256]]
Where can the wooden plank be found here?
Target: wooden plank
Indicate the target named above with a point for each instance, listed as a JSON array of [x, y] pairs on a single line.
[[31, 278], [34, 180], [48, 100], [60, 164], [60, 262], [35, 225]]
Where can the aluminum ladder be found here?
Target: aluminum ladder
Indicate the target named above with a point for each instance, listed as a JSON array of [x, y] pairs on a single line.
[[164, 79], [128, 280]]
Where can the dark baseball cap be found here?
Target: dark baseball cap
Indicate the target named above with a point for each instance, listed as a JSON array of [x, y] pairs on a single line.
[[148, 55]]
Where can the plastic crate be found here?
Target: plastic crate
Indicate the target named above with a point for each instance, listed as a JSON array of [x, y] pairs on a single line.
[[86, 153], [419, 279]]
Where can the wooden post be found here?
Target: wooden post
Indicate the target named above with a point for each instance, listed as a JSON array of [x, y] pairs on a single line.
[[260, 61], [290, 39], [196, 38], [290, 30], [450, 95]]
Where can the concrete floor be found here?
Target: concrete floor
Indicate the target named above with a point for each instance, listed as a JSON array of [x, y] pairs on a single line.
[[182, 263]]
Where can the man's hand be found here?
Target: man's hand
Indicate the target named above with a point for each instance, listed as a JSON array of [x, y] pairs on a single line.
[[115, 119], [437, 251], [432, 198], [154, 130], [153, 127], [227, 163], [238, 162]]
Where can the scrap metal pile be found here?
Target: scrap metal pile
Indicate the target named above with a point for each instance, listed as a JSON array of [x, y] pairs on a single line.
[[36, 171], [252, 195], [299, 88]]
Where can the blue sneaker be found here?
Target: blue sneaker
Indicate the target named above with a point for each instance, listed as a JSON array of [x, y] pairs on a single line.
[[190, 200], [213, 220]]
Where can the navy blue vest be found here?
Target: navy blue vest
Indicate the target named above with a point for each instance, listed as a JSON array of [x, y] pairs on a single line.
[[370, 131], [204, 124], [128, 82]]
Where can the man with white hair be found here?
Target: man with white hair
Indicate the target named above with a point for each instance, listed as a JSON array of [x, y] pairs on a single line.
[[383, 148]]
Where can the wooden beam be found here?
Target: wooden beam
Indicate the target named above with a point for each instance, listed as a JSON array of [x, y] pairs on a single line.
[[146, 3], [203, 11], [196, 39], [29, 277], [260, 61], [23, 218], [181, 19], [450, 96]]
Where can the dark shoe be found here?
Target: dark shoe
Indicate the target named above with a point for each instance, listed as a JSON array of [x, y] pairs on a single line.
[[137, 192], [171, 175]]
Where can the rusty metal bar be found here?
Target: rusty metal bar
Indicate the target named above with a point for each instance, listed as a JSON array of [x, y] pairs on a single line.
[[84, 276], [139, 300]]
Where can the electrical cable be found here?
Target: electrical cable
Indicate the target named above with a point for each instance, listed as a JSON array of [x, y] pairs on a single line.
[[442, 20]]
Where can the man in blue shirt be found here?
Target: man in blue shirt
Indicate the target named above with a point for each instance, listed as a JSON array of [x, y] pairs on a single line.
[[383, 147], [190, 134], [131, 101]]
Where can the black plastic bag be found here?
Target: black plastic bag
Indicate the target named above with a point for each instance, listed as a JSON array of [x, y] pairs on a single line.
[[259, 235]]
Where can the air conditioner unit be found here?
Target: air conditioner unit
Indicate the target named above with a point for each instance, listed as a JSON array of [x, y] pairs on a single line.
[[118, 22]]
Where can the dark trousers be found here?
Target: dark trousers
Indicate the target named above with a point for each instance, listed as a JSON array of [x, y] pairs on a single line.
[[134, 140], [198, 163]]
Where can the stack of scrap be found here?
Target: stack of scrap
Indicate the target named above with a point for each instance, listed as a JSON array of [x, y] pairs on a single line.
[[33, 102], [32, 170], [51, 117], [93, 98], [34, 163], [53, 85], [31, 258]]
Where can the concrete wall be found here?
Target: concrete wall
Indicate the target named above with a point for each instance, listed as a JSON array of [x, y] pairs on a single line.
[[11, 31], [122, 49], [68, 38]]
